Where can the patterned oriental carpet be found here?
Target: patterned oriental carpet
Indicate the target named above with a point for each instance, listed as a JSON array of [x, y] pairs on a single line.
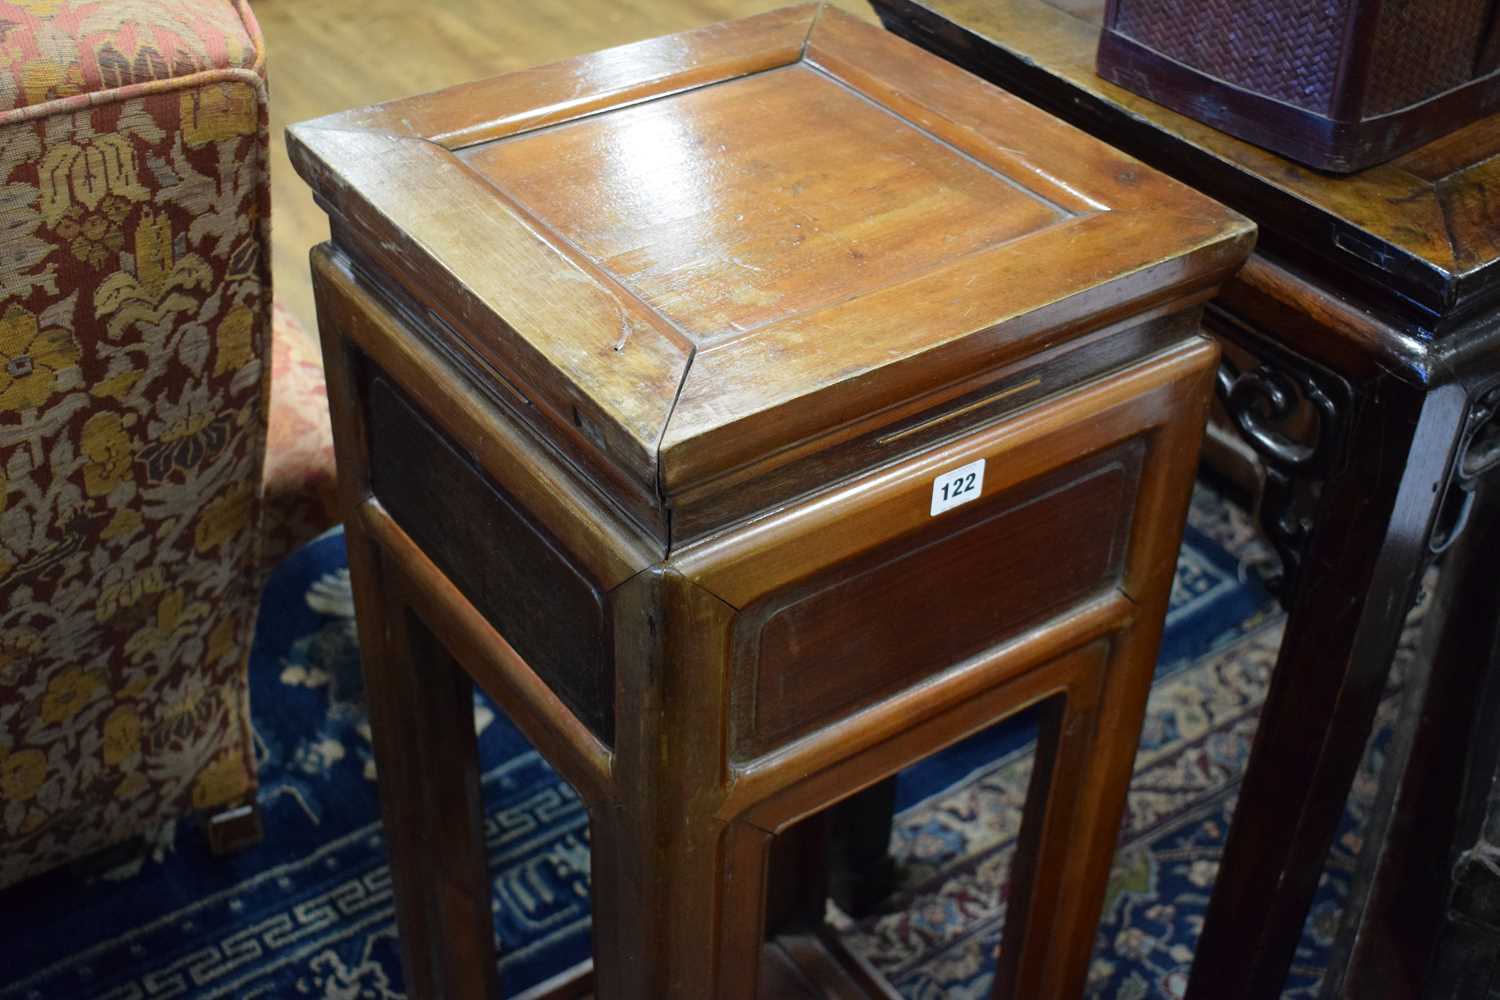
[[308, 913]]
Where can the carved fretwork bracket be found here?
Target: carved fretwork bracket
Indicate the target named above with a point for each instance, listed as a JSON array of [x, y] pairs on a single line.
[[1291, 412], [1477, 454]]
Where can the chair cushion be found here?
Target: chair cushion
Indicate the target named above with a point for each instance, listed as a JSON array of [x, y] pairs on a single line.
[[63, 48], [300, 497]]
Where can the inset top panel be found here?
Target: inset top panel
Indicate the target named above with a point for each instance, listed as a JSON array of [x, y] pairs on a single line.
[[758, 199]]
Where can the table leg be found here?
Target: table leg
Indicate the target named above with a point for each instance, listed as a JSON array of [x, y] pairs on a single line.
[[677, 936], [1361, 566], [804, 861], [1445, 742], [1038, 879], [1464, 961], [674, 864], [429, 788], [862, 873], [422, 722], [1396, 905]]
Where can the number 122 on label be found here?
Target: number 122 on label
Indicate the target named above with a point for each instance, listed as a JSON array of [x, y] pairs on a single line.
[[957, 487]]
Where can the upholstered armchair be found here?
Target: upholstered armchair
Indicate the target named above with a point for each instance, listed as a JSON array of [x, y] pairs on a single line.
[[139, 500]]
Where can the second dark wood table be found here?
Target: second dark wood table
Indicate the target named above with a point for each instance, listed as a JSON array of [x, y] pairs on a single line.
[[1371, 310]]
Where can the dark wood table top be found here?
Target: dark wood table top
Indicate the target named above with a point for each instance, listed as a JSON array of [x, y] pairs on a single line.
[[1420, 235]]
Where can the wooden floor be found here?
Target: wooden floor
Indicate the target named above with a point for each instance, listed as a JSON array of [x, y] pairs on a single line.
[[329, 55]]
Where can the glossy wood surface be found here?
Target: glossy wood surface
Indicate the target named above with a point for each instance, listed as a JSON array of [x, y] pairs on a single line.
[[338, 54], [680, 831], [685, 320], [1330, 309], [1420, 224], [773, 551], [728, 208], [875, 439], [797, 260], [843, 636], [548, 607], [611, 549]]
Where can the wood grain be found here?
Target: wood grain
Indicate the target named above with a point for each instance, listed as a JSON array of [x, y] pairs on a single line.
[[724, 219], [677, 833], [772, 552], [547, 607], [546, 721], [734, 268], [1417, 227], [363, 325], [1382, 289], [541, 342], [844, 637], [336, 54]]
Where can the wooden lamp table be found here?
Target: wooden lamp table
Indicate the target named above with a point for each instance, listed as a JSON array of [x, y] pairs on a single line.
[[751, 413], [1367, 327]]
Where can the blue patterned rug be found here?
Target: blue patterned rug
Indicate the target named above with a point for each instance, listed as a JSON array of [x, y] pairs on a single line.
[[308, 913]]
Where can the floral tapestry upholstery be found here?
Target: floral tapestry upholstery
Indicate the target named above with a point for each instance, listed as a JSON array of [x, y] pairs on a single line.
[[135, 326], [87, 48], [301, 498]]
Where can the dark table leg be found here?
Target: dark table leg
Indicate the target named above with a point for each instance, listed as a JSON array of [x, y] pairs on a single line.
[[1359, 570], [1395, 911], [422, 719], [1464, 963], [1440, 763], [861, 871]]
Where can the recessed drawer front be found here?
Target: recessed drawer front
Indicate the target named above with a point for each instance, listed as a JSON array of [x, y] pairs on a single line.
[[519, 577], [865, 628]]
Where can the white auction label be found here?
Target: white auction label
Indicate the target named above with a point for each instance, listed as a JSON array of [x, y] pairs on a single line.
[[959, 486]]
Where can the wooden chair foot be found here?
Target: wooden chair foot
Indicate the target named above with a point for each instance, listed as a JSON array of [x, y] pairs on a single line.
[[234, 829]]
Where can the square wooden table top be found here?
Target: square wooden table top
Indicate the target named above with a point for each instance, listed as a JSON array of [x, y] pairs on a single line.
[[704, 248]]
